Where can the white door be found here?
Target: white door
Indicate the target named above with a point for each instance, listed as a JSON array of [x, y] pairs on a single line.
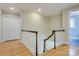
[[11, 27]]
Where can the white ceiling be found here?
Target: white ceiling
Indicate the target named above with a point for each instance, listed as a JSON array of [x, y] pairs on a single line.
[[48, 9]]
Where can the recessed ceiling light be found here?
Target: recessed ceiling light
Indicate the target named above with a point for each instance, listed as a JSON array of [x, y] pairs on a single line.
[[39, 10], [11, 8]]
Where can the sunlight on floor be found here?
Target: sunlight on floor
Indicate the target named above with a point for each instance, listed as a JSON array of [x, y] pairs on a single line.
[[74, 51]]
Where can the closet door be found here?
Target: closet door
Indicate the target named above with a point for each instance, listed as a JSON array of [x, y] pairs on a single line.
[[11, 27], [0, 27]]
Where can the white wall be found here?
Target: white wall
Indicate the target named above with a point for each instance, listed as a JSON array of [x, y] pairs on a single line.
[[58, 22], [55, 22], [65, 24], [35, 22]]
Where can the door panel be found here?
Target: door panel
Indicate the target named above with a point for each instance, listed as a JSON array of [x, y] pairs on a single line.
[[11, 28]]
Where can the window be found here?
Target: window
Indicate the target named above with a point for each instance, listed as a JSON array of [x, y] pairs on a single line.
[[72, 22]]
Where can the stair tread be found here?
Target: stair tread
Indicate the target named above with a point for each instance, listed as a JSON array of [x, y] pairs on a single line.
[[61, 50]]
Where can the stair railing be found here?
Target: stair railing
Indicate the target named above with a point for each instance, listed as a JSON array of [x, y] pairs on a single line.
[[53, 33], [35, 32]]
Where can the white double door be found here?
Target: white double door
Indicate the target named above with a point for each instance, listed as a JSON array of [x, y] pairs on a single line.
[[10, 27]]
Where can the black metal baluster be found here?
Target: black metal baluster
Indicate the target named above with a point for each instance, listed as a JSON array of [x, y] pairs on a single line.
[[54, 40], [44, 46]]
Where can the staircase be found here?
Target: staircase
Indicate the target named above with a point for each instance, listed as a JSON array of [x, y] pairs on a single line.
[[16, 48], [54, 40], [62, 50]]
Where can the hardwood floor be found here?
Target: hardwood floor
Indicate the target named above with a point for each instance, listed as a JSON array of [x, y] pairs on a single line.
[[16, 48], [13, 48], [62, 50]]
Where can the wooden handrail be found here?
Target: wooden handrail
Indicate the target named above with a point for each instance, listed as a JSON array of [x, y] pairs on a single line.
[[53, 33], [36, 32]]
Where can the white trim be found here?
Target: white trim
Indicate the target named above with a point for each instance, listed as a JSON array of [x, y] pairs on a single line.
[[6, 15], [20, 19], [68, 26]]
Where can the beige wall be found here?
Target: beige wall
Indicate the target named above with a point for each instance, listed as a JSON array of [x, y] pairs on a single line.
[[0, 27], [65, 24], [35, 22], [57, 23]]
